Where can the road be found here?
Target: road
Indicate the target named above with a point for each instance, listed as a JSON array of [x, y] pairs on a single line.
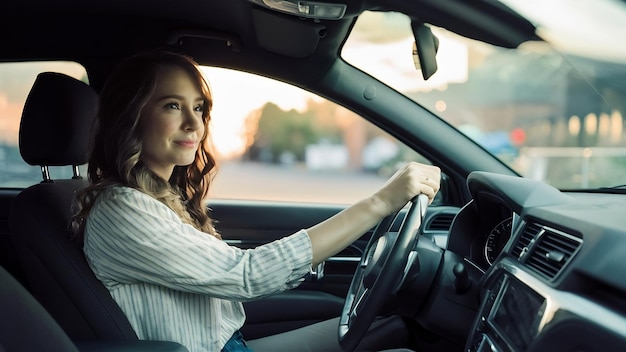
[[291, 183]]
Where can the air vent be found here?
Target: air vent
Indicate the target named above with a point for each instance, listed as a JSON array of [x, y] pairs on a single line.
[[524, 240], [441, 222], [552, 251]]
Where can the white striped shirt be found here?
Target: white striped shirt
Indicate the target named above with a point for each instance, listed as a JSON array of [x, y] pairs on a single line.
[[179, 284]]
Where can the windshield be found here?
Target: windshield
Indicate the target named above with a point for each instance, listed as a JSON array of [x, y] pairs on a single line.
[[551, 111]]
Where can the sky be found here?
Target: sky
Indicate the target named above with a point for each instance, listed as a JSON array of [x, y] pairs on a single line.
[[592, 28], [235, 95]]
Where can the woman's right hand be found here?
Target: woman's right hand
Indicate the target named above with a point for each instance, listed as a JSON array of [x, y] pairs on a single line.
[[413, 179]]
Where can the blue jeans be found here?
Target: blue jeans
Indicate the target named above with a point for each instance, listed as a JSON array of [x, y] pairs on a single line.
[[236, 343]]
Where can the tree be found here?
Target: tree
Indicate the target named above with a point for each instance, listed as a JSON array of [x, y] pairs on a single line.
[[280, 132]]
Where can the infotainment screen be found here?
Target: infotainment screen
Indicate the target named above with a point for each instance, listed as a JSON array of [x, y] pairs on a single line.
[[516, 314]]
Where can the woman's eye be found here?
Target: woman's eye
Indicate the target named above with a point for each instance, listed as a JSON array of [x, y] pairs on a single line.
[[172, 106], [198, 108]]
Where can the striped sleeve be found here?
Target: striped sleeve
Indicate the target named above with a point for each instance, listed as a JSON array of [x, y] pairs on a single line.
[[131, 237]]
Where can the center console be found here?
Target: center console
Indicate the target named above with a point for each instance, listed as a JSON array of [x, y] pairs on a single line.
[[509, 317]]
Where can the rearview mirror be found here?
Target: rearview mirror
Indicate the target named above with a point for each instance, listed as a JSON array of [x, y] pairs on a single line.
[[425, 49]]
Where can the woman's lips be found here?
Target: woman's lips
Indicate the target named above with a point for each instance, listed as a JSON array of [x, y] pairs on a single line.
[[186, 144]]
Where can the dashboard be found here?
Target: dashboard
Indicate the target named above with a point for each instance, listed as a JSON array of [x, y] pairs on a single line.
[[554, 276]]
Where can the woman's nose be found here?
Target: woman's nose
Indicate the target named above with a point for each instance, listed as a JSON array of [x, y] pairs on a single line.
[[193, 120]]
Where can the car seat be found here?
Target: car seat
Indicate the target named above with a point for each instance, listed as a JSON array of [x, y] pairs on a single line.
[[26, 326], [55, 130]]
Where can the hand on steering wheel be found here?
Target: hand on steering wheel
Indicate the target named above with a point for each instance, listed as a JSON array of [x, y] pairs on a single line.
[[381, 272]]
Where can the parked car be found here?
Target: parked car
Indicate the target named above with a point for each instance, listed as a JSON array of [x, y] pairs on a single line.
[[520, 103]]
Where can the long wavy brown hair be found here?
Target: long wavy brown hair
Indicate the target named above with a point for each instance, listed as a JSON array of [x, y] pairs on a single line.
[[115, 157]]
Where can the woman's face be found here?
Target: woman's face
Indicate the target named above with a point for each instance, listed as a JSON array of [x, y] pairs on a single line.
[[171, 123]]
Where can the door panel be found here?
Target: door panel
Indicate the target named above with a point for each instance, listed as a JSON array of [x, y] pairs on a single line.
[[247, 224]]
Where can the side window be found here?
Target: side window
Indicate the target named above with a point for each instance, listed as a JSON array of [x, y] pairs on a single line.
[[16, 79], [277, 142]]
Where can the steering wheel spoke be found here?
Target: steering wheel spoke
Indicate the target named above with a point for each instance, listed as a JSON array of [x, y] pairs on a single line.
[[356, 307]]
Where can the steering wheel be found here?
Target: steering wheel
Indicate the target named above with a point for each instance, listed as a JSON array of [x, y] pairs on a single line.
[[381, 272]]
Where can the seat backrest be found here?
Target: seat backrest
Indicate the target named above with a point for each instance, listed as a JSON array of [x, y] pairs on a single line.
[[55, 130]]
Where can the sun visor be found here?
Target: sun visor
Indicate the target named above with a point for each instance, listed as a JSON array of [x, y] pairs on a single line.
[[286, 35]]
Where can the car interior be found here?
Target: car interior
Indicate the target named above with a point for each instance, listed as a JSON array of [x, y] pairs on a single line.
[[498, 262]]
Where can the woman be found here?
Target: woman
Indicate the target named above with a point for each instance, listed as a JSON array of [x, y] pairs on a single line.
[[146, 230]]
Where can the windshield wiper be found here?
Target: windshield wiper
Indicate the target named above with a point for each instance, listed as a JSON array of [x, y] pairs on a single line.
[[615, 187], [619, 189]]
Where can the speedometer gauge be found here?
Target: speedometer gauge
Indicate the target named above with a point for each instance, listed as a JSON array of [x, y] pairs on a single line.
[[497, 239]]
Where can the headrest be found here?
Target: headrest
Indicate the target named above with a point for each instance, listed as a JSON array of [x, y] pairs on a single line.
[[57, 121]]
